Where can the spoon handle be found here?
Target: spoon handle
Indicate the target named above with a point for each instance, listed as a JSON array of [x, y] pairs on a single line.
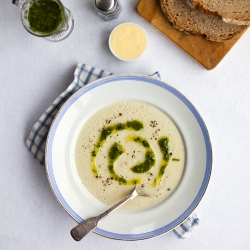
[[84, 228], [36, 3]]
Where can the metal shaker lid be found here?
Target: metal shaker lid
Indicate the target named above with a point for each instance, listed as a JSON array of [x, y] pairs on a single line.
[[105, 5]]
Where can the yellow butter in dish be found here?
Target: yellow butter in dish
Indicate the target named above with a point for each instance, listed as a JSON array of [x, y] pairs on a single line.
[[128, 41]]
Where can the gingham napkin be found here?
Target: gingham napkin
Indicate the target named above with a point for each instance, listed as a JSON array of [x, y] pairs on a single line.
[[38, 135]]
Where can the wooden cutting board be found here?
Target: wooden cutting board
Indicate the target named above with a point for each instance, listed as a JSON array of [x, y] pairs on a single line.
[[205, 52]]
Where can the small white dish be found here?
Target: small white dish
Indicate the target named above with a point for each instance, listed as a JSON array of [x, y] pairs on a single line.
[[77, 200], [128, 41]]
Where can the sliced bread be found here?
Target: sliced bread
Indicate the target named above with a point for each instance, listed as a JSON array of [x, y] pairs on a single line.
[[187, 19], [231, 11]]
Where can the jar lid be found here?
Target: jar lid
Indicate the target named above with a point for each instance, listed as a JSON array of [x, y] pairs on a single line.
[[105, 5]]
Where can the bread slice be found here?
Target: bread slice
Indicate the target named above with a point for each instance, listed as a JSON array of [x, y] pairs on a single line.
[[231, 11], [187, 19]]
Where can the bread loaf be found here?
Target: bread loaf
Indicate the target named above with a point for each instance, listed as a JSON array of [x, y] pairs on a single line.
[[231, 11], [187, 19]]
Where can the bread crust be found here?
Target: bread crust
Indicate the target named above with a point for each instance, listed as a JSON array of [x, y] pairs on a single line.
[[190, 21], [230, 11]]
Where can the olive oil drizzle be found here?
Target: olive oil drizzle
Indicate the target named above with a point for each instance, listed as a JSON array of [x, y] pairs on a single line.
[[163, 143], [149, 162], [109, 130], [117, 149], [114, 153]]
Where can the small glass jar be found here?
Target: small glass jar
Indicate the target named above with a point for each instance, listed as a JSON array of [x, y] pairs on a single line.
[[108, 9], [61, 32]]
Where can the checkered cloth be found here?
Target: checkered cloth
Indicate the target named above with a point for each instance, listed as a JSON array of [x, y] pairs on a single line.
[[38, 135]]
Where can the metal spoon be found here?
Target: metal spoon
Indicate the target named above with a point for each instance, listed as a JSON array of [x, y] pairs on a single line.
[[84, 228], [36, 3]]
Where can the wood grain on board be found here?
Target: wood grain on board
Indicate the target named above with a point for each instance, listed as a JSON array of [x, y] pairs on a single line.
[[205, 52]]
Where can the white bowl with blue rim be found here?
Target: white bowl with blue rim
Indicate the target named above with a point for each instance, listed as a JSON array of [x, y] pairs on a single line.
[[76, 199]]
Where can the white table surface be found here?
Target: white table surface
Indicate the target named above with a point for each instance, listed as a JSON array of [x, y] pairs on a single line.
[[33, 72]]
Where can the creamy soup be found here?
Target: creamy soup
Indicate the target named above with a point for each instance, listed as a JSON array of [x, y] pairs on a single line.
[[127, 144]]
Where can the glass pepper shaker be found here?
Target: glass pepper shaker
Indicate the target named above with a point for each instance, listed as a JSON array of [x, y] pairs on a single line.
[[108, 9]]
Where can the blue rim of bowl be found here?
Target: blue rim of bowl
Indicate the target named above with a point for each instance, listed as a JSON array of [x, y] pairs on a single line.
[[146, 79]]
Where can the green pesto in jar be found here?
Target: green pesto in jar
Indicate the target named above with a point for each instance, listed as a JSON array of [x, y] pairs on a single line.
[[149, 155], [109, 130], [163, 143], [46, 18], [114, 153]]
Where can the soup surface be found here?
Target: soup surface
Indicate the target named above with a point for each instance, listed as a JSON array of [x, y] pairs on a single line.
[[127, 144]]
